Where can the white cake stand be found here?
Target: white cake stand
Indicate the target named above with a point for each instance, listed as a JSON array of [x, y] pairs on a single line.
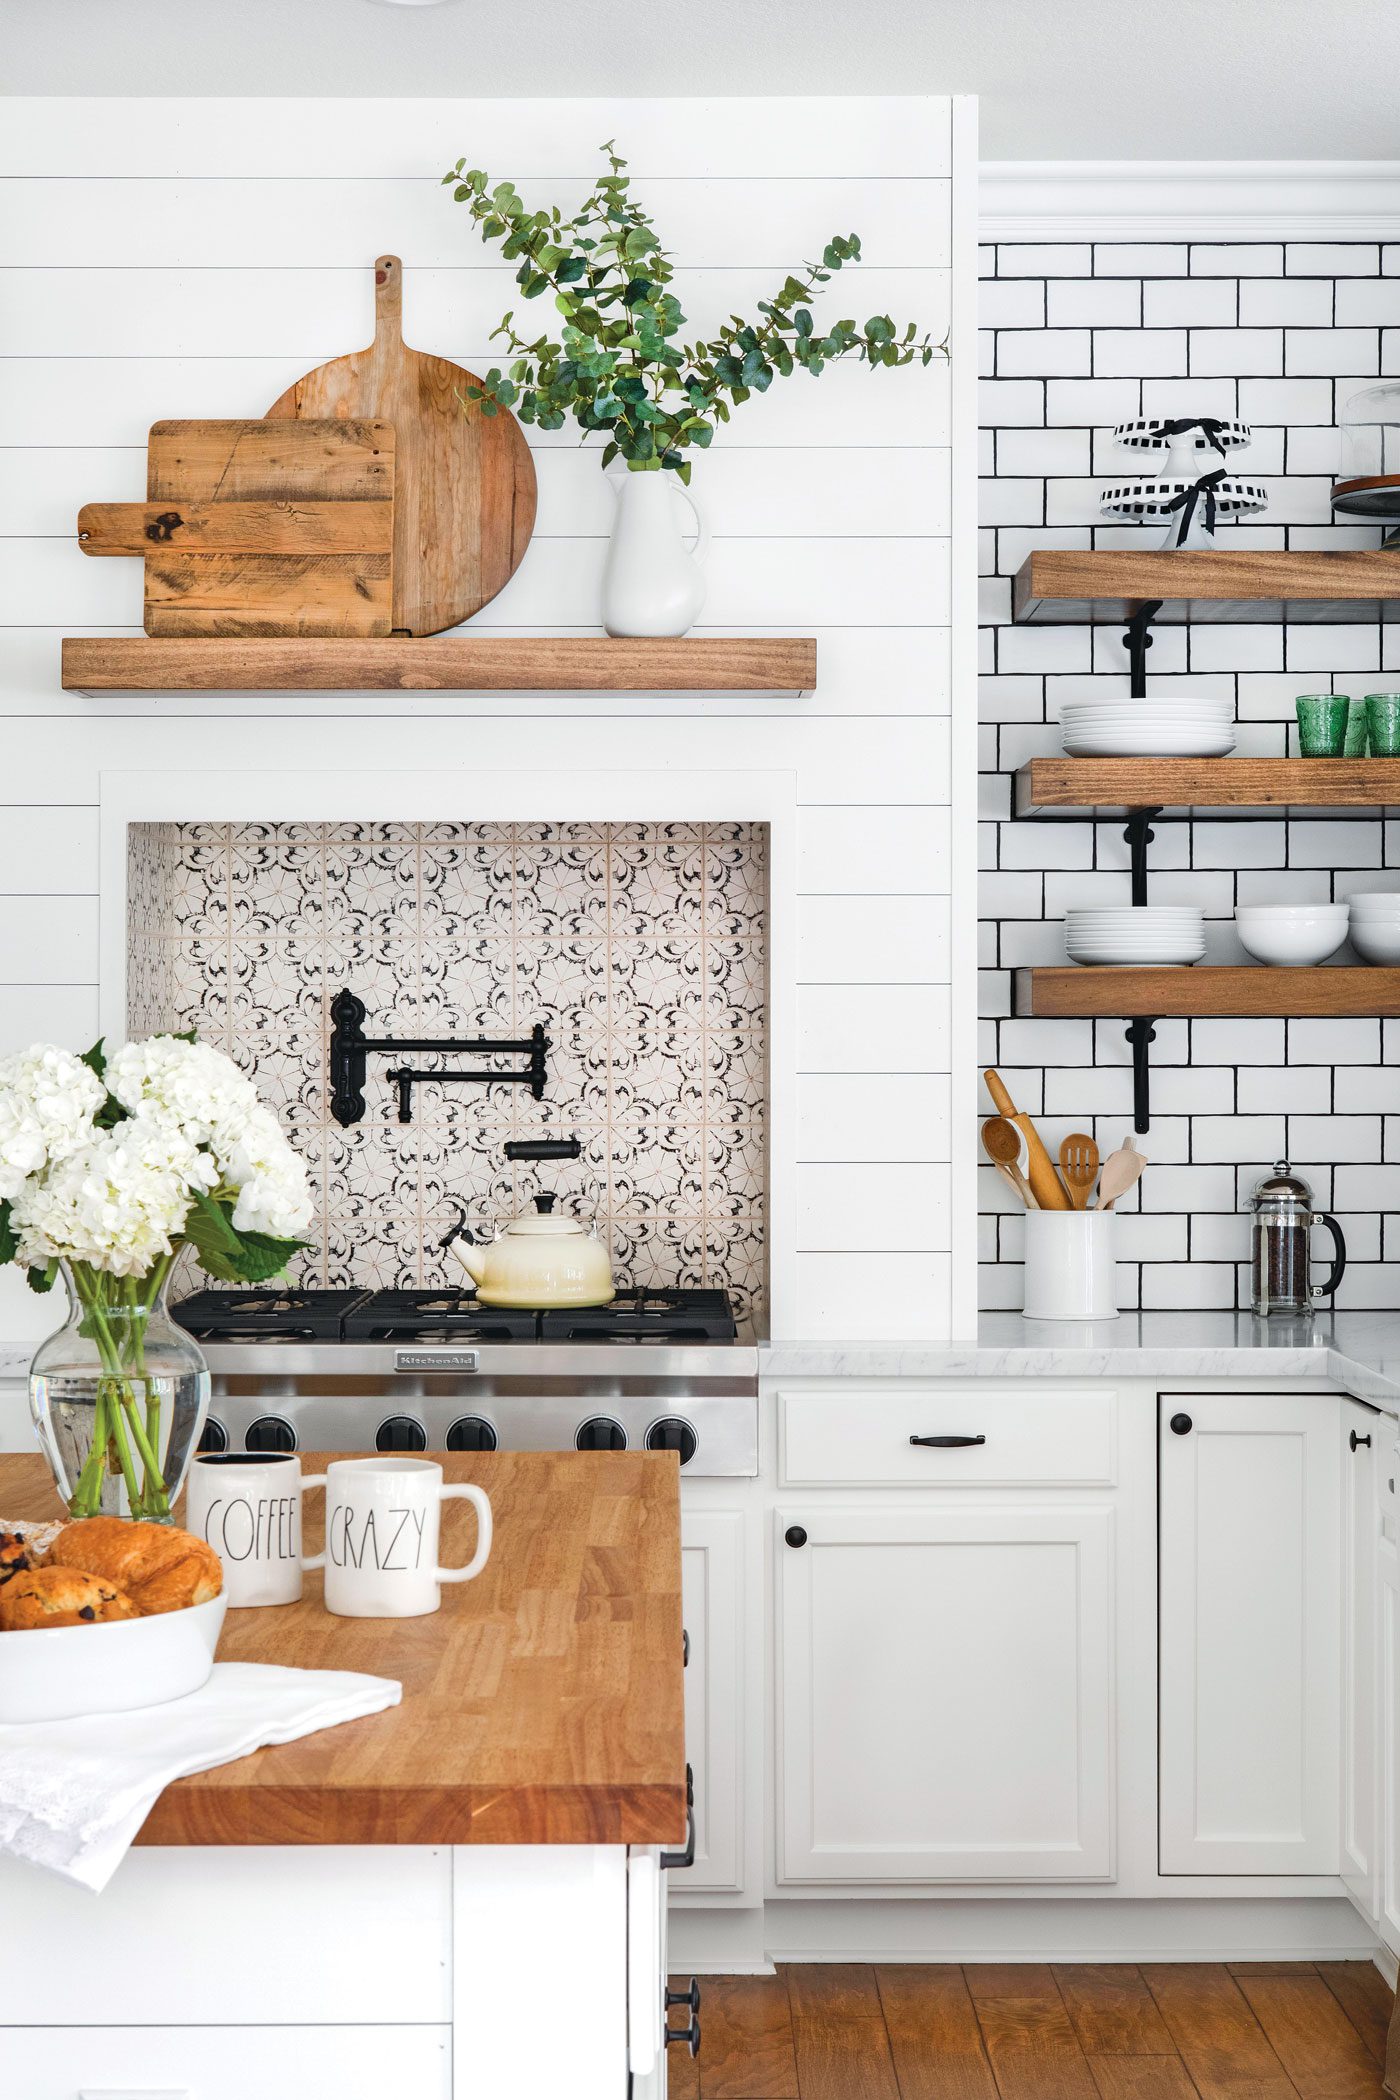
[[1190, 507]]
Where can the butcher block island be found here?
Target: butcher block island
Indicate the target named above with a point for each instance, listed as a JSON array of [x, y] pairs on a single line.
[[464, 1895]]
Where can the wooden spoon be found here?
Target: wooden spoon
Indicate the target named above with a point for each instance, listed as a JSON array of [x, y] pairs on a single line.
[[1079, 1167], [1003, 1146], [1120, 1170], [1040, 1168]]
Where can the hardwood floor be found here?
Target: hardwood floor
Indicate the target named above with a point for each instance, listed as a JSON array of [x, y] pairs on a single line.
[[843, 2031]]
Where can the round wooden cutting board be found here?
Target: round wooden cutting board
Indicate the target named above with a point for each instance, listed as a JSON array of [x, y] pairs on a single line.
[[464, 492]]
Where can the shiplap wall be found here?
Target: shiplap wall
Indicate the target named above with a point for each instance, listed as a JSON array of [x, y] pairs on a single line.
[[171, 258]]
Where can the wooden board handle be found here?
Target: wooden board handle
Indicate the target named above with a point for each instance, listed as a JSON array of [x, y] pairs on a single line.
[[117, 528], [388, 299], [1046, 1185]]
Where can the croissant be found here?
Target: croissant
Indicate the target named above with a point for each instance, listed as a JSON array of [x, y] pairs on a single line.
[[158, 1566]]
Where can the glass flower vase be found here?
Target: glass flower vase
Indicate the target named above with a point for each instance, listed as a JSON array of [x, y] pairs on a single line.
[[118, 1396]]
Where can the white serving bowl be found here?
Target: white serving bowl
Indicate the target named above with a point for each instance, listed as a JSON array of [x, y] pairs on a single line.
[[1374, 904], [54, 1673], [1291, 936], [1134, 933], [1376, 940]]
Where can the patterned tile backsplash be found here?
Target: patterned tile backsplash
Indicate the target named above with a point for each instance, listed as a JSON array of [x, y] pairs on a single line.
[[641, 948]]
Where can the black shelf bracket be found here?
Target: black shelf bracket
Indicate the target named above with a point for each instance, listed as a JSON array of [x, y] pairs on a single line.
[[1137, 641], [1138, 835], [1140, 1032], [350, 1047]]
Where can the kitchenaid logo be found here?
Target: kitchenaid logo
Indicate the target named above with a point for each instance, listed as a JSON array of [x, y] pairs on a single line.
[[388, 1539], [436, 1360]]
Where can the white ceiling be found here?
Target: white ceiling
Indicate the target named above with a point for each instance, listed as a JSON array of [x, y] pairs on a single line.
[[1059, 79]]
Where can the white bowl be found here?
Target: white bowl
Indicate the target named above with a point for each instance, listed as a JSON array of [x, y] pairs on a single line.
[[1376, 941], [1291, 937], [53, 1673], [1375, 904]]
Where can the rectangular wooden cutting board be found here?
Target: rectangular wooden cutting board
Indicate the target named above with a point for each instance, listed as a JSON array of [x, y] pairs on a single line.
[[260, 528]]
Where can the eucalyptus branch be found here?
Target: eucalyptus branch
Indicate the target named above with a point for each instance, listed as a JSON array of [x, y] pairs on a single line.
[[619, 366]]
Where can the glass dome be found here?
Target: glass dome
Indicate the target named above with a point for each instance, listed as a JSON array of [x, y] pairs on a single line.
[[1368, 478]]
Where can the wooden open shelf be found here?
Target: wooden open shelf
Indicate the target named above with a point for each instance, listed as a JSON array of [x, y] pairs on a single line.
[[1113, 786], [1069, 586], [441, 664], [1080, 991]]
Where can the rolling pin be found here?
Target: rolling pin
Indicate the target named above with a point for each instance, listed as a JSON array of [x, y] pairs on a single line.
[[1046, 1186]]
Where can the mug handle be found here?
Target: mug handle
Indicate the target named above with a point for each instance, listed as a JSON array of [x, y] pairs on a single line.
[[313, 1560], [464, 1492]]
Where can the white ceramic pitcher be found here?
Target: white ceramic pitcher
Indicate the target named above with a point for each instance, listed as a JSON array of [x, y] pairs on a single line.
[[652, 582]]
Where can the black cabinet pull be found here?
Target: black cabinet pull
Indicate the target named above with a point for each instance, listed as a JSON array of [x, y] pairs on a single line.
[[675, 1862], [947, 1443], [1354, 1440], [685, 1649], [795, 1535], [690, 1999], [1180, 1425], [690, 2033]]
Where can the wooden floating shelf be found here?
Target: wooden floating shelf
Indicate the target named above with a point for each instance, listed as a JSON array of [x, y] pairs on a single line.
[[1069, 586], [1113, 786], [1081, 992], [441, 664]]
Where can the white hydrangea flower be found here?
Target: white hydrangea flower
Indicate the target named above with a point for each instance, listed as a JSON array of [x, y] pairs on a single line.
[[48, 1098], [118, 1204], [192, 1084]]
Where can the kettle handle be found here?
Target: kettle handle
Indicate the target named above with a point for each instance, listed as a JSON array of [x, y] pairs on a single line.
[[1339, 1255], [702, 531]]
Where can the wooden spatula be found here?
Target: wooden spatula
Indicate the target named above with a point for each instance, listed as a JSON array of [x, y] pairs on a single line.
[[1120, 1170], [1079, 1167]]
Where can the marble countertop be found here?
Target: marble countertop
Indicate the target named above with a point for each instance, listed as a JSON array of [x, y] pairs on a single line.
[[1360, 1351]]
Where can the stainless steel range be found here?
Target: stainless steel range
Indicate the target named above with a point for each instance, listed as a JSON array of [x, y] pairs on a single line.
[[358, 1370]]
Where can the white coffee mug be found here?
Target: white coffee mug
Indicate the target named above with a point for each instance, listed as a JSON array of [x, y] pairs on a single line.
[[382, 1521], [248, 1506]]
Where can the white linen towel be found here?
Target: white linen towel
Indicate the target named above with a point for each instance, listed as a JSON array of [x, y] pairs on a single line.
[[73, 1794]]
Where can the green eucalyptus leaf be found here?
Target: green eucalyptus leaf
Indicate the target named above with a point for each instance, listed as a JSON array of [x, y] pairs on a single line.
[[41, 1280]]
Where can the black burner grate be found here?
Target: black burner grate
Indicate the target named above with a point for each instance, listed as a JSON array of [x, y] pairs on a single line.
[[645, 1316], [272, 1314], [439, 1316]]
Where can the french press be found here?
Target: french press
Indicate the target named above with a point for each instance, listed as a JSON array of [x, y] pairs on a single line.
[[1280, 1258]]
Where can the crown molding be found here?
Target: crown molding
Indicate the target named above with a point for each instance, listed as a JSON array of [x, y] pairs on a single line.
[[1165, 200]]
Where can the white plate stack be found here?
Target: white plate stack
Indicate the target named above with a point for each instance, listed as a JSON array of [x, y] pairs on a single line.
[[1179, 726], [1119, 935]]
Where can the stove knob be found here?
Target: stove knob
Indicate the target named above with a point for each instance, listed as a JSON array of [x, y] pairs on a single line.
[[214, 1436], [472, 1433], [601, 1433], [401, 1433], [270, 1433], [672, 1434]]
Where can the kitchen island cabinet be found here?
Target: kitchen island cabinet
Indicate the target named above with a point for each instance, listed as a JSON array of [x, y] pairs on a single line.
[[481, 1869]]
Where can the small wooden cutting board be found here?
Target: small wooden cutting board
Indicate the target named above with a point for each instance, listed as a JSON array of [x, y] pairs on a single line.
[[465, 490], [271, 528]]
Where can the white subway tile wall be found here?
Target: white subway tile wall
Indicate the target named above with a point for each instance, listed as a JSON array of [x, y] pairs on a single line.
[[1079, 338]]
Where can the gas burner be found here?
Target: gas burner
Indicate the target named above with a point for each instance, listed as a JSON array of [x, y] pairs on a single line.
[[439, 1316], [645, 1316], [278, 1314]]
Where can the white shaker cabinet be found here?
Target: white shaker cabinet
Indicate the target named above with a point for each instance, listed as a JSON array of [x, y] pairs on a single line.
[[712, 1544], [1363, 1432], [1388, 1684], [946, 1691], [1250, 1616]]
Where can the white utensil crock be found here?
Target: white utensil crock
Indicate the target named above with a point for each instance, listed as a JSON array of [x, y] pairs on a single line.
[[653, 584], [1071, 1265]]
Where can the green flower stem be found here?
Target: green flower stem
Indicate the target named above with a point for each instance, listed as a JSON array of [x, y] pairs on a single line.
[[116, 1388]]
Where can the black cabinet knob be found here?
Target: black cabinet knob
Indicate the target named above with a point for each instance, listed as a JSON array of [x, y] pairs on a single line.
[[1354, 1440], [690, 1999], [690, 2035], [795, 1535], [601, 1433], [401, 1433], [1180, 1425], [472, 1433], [671, 1433], [270, 1433]]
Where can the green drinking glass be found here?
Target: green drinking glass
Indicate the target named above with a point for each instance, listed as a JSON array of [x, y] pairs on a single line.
[[1383, 724], [1322, 724]]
